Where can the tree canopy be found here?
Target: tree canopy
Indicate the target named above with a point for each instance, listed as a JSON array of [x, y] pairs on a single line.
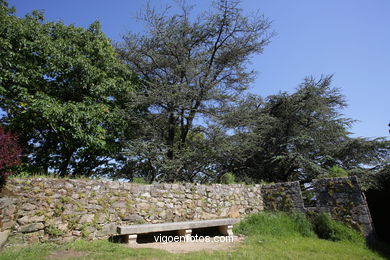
[[63, 91], [170, 104], [189, 69], [297, 136]]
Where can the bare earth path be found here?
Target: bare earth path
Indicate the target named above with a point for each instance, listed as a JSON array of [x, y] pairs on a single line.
[[175, 247], [185, 247]]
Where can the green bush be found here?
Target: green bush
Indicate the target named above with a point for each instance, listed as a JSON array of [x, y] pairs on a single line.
[[334, 172], [277, 224], [228, 178], [139, 180], [327, 228], [281, 224], [53, 231], [302, 224]]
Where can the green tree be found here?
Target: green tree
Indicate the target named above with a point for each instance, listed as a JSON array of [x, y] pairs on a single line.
[[296, 136], [65, 93], [189, 69]]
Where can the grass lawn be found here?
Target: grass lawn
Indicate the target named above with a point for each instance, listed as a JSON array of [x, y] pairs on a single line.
[[269, 236]]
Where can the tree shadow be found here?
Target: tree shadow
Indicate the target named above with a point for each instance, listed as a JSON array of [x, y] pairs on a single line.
[[382, 248]]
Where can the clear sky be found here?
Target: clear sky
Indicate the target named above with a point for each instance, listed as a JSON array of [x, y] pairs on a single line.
[[347, 38]]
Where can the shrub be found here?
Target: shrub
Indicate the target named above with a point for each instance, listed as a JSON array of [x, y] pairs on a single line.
[[9, 154], [281, 224], [53, 231], [139, 180], [302, 224], [327, 228], [228, 178], [334, 172], [278, 224]]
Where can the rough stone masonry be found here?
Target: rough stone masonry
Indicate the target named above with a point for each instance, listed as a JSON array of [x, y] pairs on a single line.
[[61, 210]]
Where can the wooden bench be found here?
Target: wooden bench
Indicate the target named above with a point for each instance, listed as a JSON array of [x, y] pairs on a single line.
[[129, 233]]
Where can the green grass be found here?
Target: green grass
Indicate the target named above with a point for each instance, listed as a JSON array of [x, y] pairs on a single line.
[[327, 228], [272, 224], [269, 236]]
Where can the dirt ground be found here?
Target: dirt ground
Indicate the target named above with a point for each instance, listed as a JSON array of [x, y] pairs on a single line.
[[185, 247], [175, 247]]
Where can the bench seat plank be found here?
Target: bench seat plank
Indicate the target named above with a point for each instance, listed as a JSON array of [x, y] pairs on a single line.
[[171, 226]]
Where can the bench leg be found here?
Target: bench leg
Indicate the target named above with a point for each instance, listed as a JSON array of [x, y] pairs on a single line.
[[184, 232], [226, 230], [130, 239]]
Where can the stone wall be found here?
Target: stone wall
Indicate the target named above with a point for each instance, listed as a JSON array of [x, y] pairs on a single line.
[[283, 197], [38, 210], [64, 210], [343, 199]]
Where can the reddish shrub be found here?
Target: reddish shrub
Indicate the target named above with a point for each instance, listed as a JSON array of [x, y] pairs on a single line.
[[9, 154]]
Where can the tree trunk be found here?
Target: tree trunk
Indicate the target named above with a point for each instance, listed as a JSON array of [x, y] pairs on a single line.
[[171, 135], [63, 169]]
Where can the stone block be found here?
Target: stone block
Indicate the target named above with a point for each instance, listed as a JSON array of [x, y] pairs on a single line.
[[8, 225], [132, 218], [143, 205], [31, 227], [87, 218], [3, 237], [119, 204], [107, 230], [160, 204], [146, 195], [5, 202]]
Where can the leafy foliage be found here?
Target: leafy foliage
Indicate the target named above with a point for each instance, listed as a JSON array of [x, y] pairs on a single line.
[[64, 92], [183, 115], [277, 224], [281, 224], [9, 154], [189, 69], [334, 172], [296, 136], [327, 228], [228, 178]]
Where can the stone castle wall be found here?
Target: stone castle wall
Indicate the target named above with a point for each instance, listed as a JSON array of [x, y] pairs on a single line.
[[343, 199], [64, 210], [38, 210], [283, 197]]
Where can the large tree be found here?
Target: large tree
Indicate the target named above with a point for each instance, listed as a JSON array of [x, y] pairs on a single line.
[[189, 69], [298, 136], [63, 90]]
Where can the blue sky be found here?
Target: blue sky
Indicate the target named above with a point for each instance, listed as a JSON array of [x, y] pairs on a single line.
[[348, 38]]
